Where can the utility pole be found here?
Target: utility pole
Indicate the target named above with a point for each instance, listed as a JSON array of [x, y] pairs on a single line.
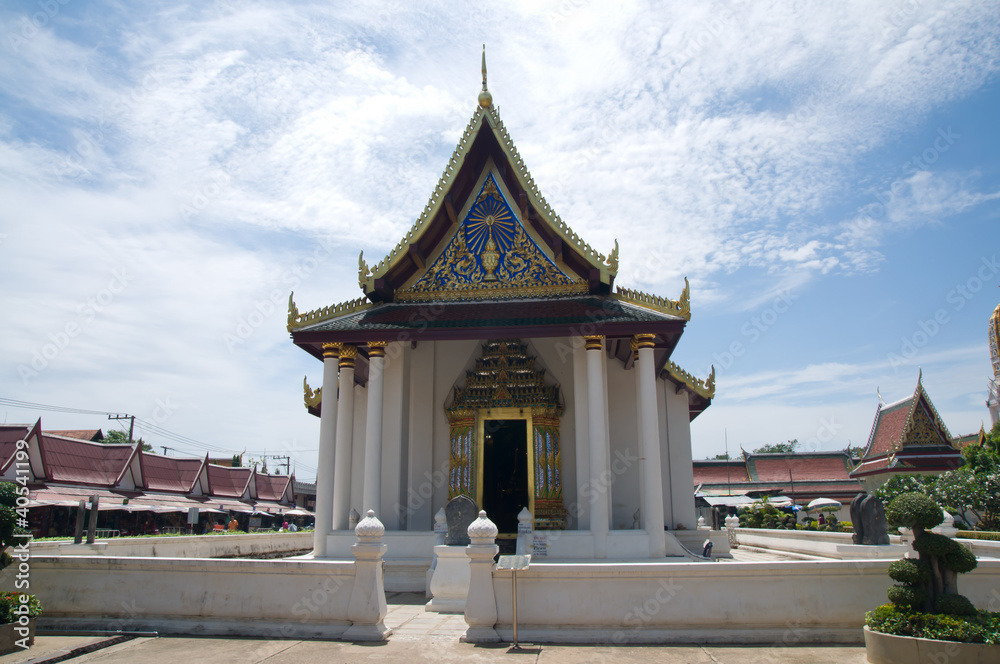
[[131, 425]]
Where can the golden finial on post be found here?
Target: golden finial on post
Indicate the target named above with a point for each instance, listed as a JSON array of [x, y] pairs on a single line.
[[485, 98]]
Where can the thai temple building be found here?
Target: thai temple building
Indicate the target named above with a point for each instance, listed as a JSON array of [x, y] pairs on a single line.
[[908, 437], [993, 401], [492, 355]]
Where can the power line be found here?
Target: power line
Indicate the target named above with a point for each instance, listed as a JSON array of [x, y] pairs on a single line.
[[142, 424]]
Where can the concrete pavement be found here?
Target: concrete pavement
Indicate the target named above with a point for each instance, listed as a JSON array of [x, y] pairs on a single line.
[[418, 636]]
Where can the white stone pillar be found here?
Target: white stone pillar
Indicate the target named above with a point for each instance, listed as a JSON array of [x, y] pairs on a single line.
[[367, 608], [600, 478], [327, 450], [481, 603], [581, 507], [345, 435], [649, 433], [373, 429]]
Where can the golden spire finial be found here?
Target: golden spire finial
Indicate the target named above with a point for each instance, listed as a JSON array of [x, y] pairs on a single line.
[[485, 98]]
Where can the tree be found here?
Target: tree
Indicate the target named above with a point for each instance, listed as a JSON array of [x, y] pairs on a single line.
[[721, 457], [121, 438], [930, 583], [787, 447]]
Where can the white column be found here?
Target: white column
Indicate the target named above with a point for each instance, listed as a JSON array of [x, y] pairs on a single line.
[[649, 433], [373, 429], [681, 468], [345, 434], [599, 476], [581, 508], [327, 447]]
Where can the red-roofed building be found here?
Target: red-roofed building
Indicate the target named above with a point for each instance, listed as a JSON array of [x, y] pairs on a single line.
[[62, 470], [908, 437], [799, 476]]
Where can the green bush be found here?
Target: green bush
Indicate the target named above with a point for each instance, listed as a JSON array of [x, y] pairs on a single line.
[[907, 596], [932, 544], [955, 605], [983, 627], [960, 559], [950, 553], [909, 571], [913, 510], [9, 601]]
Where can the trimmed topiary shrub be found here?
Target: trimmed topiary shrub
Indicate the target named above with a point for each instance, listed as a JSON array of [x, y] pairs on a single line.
[[955, 605], [914, 511], [907, 597], [912, 572]]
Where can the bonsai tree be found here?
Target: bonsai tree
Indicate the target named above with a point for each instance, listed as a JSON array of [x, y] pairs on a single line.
[[928, 584]]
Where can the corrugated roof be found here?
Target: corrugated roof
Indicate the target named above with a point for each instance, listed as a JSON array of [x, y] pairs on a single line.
[[81, 434], [228, 482], [271, 487], [163, 473], [69, 460]]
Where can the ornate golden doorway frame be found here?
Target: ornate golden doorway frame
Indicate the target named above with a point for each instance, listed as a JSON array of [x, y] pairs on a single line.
[[508, 414], [505, 385]]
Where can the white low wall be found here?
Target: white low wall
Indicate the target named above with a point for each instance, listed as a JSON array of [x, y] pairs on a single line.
[[790, 602], [260, 598], [183, 546], [982, 548], [804, 542], [408, 557]]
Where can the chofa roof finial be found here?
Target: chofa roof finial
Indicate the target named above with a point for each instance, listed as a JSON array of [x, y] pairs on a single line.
[[485, 98]]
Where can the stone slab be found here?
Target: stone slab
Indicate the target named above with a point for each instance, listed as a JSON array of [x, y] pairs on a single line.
[[460, 512]]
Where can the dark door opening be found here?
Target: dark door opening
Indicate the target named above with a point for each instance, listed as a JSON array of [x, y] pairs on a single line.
[[505, 471]]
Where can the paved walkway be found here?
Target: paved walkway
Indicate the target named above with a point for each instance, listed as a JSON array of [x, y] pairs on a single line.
[[418, 636]]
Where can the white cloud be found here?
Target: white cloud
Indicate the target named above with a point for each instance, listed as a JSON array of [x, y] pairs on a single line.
[[215, 146]]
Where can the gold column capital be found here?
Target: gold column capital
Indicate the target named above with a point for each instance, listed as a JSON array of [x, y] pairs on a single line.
[[642, 341], [594, 341], [376, 348], [331, 349], [348, 353]]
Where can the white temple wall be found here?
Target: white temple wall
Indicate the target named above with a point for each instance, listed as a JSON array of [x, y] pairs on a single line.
[[395, 416], [358, 447], [681, 465], [418, 497], [451, 358], [624, 445], [556, 356], [579, 511]]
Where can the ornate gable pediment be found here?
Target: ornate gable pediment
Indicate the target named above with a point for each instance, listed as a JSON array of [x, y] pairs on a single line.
[[491, 254], [547, 248]]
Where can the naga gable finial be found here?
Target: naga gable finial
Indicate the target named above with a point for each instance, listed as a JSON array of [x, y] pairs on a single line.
[[293, 311], [613, 259], [363, 271]]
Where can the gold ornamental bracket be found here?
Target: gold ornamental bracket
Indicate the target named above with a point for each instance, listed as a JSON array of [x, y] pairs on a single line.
[[312, 398]]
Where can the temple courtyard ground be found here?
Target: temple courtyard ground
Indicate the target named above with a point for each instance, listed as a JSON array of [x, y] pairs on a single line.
[[418, 636]]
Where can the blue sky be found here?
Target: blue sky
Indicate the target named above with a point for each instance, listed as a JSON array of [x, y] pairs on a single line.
[[825, 176]]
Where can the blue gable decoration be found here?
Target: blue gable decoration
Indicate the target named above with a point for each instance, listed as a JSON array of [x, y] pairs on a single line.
[[492, 256]]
